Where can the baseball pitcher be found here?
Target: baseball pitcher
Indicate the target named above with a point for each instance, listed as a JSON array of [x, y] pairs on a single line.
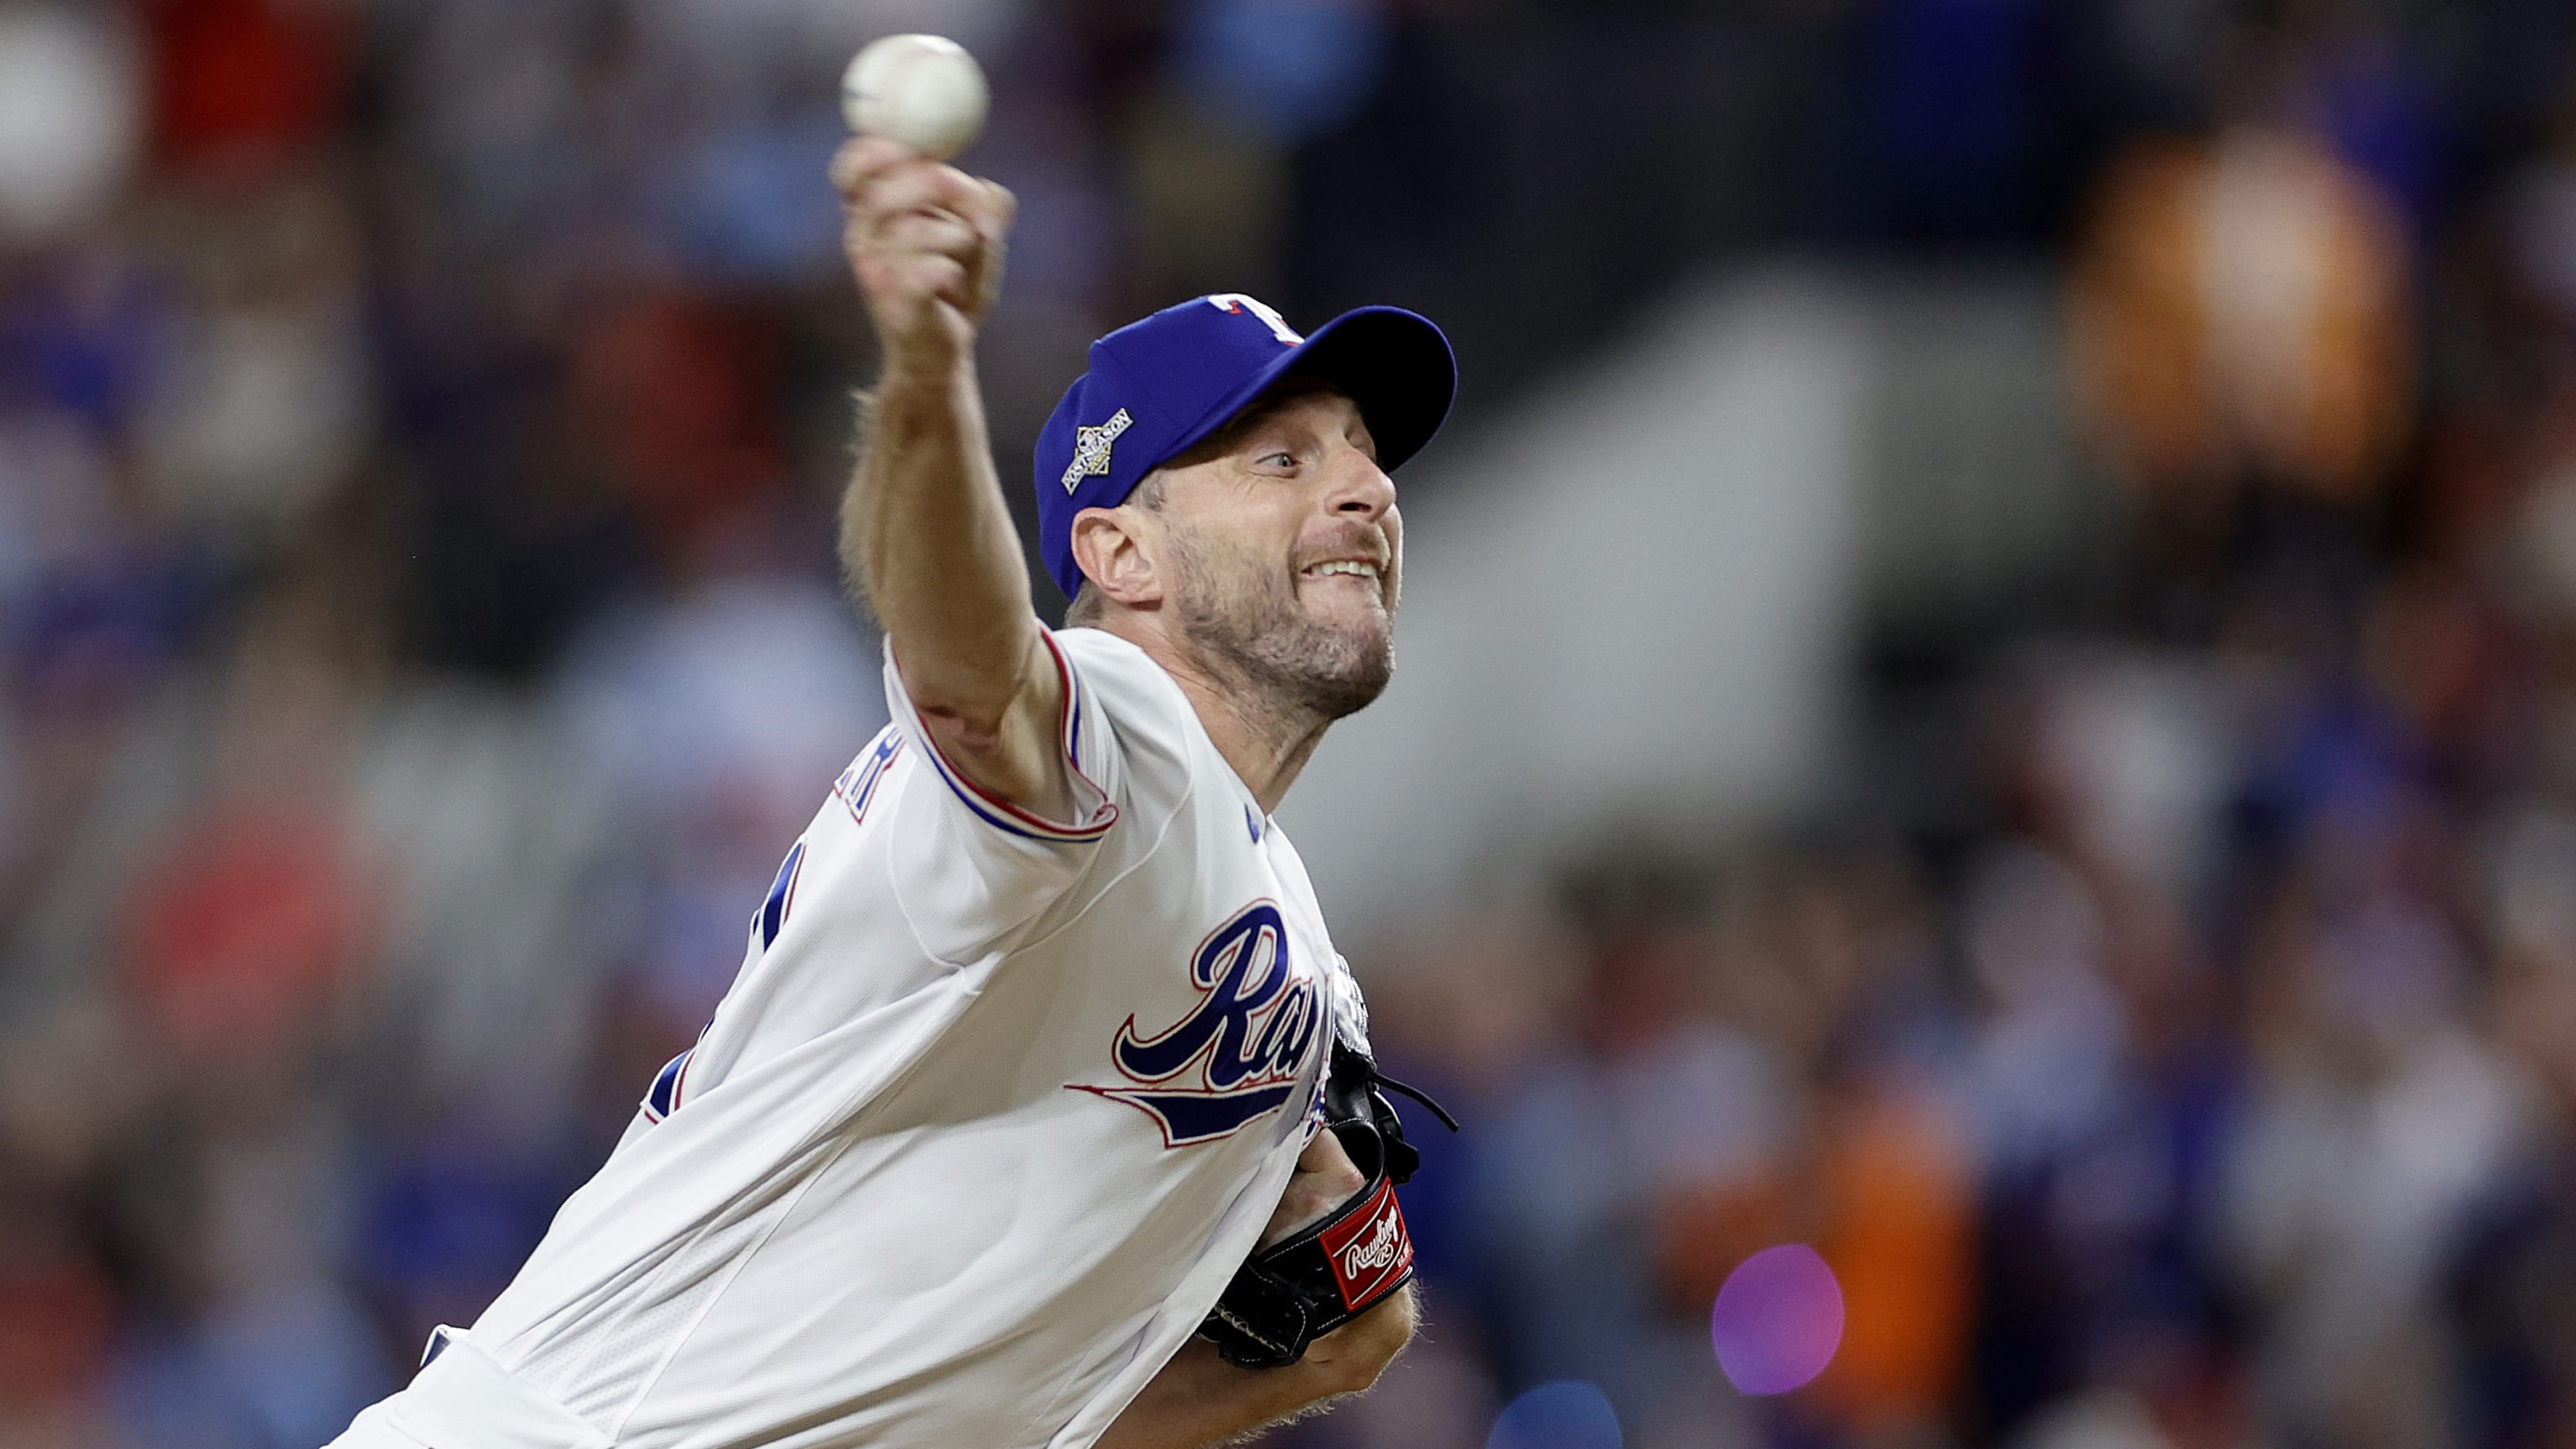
[[1041, 1112]]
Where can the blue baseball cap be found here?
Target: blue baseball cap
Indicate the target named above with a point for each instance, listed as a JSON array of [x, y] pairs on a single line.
[[1159, 386]]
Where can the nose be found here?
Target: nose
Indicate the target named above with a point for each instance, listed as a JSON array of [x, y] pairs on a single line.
[[1360, 486]]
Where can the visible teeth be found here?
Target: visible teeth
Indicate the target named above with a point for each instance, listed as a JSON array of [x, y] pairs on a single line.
[[1346, 566]]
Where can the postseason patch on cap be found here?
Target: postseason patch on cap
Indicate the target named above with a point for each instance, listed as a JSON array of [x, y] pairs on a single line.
[[1091, 449]]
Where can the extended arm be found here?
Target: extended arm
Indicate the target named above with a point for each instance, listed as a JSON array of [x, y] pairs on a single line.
[[1199, 1399], [923, 527]]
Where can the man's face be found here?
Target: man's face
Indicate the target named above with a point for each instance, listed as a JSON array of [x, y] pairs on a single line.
[[1283, 550]]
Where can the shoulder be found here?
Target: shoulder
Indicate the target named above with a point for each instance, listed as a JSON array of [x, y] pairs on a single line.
[[1121, 680], [1103, 655]]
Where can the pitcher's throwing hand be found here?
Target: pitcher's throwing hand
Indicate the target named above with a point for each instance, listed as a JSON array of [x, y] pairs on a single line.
[[926, 242]]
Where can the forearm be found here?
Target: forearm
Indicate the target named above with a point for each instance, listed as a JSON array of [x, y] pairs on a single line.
[[925, 533], [1200, 1400]]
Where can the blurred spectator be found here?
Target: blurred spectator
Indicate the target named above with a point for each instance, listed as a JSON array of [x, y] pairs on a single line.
[[2240, 315], [72, 125], [419, 640], [2242, 332], [239, 83]]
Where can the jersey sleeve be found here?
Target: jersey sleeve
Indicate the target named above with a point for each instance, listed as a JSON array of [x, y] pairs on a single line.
[[972, 868]]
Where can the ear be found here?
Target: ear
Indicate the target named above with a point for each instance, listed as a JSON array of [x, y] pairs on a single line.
[[1114, 550]]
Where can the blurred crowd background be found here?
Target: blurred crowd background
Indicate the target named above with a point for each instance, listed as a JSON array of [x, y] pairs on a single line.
[[420, 422]]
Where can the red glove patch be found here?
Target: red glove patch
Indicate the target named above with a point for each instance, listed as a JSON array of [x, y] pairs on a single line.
[[1370, 1251]]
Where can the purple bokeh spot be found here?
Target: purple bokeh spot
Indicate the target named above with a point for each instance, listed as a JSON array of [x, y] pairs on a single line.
[[1778, 1320]]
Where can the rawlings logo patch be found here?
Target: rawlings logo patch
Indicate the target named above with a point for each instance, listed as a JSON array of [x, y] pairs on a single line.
[[1370, 1250], [1238, 1054], [1377, 1251]]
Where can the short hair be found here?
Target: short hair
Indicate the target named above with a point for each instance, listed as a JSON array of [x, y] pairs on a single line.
[[1088, 604]]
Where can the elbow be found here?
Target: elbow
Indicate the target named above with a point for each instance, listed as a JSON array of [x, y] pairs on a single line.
[[956, 683], [964, 726]]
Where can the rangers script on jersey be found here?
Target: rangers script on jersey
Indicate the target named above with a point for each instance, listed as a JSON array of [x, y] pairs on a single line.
[[993, 1112]]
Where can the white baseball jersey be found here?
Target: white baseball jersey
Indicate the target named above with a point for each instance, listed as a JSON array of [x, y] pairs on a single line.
[[994, 1110]]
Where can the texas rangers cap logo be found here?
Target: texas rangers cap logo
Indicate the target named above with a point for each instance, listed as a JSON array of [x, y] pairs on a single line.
[[1244, 303], [1238, 1054]]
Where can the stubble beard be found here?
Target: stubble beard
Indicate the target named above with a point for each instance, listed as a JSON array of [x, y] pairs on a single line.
[[1258, 638]]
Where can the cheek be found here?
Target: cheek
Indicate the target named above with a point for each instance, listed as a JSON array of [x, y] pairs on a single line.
[[1221, 567], [1262, 550]]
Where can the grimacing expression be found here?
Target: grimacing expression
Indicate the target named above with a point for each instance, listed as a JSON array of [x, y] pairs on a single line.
[[1284, 551]]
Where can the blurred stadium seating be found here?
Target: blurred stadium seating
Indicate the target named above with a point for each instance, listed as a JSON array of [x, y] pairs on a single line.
[[1995, 692]]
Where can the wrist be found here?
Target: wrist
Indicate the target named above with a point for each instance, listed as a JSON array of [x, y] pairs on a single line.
[[1352, 1356], [926, 372]]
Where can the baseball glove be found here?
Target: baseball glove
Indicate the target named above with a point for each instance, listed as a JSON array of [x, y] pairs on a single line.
[[1295, 1291]]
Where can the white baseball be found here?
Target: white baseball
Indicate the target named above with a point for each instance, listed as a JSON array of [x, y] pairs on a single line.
[[922, 90]]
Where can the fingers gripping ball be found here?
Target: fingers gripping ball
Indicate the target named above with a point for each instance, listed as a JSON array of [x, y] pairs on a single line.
[[922, 90]]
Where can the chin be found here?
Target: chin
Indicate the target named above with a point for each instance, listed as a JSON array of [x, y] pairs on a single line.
[[1357, 673], [1363, 622], [1321, 657], [1352, 634]]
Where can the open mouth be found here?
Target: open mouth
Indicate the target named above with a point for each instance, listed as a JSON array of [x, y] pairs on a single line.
[[1346, 567]]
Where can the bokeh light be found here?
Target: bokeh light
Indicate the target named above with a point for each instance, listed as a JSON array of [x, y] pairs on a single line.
[[1566, 1414], [1295, 68], [1777, 1320], [70, 118]]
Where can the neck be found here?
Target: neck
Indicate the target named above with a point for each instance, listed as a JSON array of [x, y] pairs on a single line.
[[1267, 740]]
